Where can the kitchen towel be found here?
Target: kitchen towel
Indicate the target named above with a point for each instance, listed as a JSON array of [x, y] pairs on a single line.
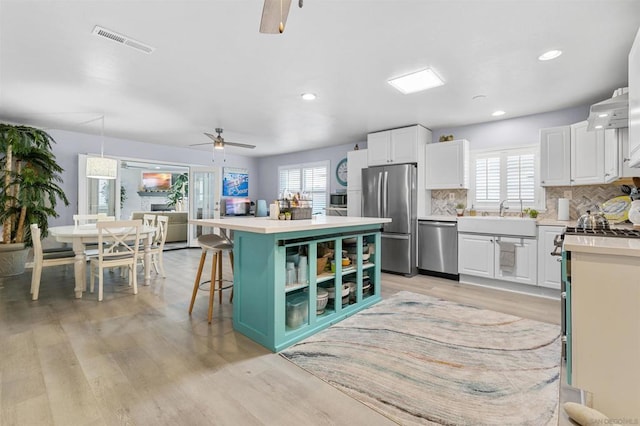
[[507, 256], [563, 209]]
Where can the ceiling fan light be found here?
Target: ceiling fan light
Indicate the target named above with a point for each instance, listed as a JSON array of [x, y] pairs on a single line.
[[218, 144]]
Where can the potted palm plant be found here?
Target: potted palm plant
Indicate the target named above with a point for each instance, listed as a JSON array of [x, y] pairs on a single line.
[[178, 192], [29, 191]]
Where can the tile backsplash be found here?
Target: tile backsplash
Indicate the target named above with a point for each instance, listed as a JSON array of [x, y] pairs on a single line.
[[583, 198]]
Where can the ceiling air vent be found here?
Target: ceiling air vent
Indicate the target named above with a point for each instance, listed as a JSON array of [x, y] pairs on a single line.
[[122, 39]]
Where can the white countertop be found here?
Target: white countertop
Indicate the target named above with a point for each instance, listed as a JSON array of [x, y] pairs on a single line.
[[261, 225], [603, 245]]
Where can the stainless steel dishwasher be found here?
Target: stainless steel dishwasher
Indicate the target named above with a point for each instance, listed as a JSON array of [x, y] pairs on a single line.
[[438, 246]]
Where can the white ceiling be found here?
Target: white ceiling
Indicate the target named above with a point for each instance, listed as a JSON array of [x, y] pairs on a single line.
[[212, 68]]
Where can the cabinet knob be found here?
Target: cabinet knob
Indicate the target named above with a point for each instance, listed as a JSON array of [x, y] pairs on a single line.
[[626, 160], [543, 182]]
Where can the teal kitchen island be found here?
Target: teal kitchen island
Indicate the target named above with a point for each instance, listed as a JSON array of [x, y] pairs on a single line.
[[277, 307]]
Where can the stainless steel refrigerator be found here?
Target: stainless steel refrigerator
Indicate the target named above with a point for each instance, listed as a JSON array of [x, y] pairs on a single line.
[[390, 191]]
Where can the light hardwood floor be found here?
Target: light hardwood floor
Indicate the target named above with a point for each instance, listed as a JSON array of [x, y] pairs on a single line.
[[141, 360]]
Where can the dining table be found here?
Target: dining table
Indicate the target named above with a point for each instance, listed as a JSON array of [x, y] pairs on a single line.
[[81, 235]]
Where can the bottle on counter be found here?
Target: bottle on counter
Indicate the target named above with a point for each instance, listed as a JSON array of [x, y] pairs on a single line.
[[274, 210], [472, 211]]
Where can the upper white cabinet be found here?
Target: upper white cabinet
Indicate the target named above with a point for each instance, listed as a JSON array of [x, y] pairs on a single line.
[[395, 146], [356, 161], [611, 155], [634, 104], [555, 156], [447, 165], [571, 155], [587, 155], [625, 169]]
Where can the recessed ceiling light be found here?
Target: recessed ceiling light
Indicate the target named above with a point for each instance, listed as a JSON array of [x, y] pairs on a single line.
[[417, 81], [599, 126], [498, 113], [552, 54], [479, 97], [603, 115], [309, 96]]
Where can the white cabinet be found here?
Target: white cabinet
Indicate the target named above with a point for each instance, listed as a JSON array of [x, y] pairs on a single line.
[[475, 255], [549, 267], [447, 165], [480, 255], [555, 156], [571, 155], [356, 161], [587, 155], [354, 202], [625, 169], [611, 155], [633, 144], [394, 146]]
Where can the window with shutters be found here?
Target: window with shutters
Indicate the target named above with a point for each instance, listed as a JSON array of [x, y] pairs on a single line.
[[312, 178], [506, 174]]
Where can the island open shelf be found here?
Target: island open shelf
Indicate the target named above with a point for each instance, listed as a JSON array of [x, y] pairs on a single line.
[[261, 292]]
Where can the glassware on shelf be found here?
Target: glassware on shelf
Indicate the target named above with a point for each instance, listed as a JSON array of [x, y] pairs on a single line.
[[290, 273], [303, 270]]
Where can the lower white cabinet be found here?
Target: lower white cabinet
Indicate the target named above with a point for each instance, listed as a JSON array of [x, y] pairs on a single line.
[[549, 267], [498, 257]]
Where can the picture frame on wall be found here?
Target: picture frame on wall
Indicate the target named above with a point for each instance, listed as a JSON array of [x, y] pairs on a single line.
[[235, 182], [156, 181]]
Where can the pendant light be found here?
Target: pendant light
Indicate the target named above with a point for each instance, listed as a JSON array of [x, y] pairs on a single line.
[[100, 167]]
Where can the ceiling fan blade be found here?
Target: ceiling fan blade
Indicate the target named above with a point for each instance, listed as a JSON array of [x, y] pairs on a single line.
[[200, 144], [241, 145], [213, 137], [271, 16]]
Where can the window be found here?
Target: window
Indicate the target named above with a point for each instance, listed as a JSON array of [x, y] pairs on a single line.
[[506, 174], [311, 178]]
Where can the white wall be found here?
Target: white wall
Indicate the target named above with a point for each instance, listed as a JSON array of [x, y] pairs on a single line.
[[515, 131], [69, 144], [268, 167]]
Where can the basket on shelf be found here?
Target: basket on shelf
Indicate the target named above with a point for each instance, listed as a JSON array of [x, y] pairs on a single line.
[[299, 209], [322, 264]]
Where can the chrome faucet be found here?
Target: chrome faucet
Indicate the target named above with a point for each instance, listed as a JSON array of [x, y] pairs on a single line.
[[503, 207]]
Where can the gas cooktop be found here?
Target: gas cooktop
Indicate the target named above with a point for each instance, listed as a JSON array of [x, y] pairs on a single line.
[[602, 232]]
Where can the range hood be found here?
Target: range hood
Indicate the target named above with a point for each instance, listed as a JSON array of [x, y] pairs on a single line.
[[611, 113]]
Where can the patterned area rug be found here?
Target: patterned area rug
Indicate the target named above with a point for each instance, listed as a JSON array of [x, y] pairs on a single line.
[[421, 360]]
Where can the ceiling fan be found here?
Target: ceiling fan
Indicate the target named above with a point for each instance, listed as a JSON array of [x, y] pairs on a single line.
[[274, 15], [220, 143]]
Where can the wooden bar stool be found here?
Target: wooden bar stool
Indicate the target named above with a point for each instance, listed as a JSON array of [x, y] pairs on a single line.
[[217, 245]]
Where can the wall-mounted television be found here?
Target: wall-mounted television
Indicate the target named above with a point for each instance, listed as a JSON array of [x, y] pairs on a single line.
[[156, 181]]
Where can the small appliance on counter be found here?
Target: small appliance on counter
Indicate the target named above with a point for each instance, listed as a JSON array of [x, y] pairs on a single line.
[[237, 206], [337, 205]]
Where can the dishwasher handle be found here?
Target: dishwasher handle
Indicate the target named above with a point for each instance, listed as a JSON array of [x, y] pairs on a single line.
[[439, 224]]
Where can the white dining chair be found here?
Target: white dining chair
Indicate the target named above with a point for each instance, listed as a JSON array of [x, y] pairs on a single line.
[[86, 219], [157, 246], [118, 245], [45, 258], [149, 220]]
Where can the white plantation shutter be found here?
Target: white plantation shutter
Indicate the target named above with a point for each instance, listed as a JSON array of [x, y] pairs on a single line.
[[487, 180], [521, 178], [510, 174], [310, 178]]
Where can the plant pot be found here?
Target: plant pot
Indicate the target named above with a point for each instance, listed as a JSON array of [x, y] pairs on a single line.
[[460, 212], [13, 257]]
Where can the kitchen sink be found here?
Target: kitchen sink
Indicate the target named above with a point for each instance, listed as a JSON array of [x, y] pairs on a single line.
[[496, 225]]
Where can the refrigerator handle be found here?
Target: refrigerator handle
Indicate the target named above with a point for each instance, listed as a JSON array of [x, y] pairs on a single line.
[[379, 194], [385, 189]]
